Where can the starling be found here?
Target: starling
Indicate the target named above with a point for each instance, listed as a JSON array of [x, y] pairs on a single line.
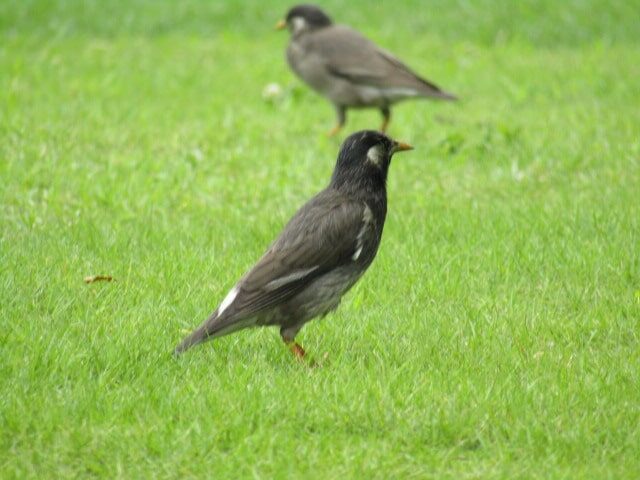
[[347, 68], [321, 253]]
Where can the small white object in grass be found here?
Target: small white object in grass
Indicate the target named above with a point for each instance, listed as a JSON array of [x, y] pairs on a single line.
[[197, 154], [271, 92], [516, 173]]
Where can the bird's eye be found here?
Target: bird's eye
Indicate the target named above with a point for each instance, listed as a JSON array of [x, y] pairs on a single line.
[[375, 155]]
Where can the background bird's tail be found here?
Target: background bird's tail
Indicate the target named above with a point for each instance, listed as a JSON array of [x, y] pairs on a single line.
[[432, 90], [442, 95]]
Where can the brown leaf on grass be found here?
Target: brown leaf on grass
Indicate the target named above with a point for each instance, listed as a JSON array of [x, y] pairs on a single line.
[[98, 278]]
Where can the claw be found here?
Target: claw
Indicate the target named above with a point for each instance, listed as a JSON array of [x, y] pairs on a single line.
[[297, 350], [301, 355]]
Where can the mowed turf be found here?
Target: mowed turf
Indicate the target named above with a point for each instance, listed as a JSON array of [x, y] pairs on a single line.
[[495, 336]]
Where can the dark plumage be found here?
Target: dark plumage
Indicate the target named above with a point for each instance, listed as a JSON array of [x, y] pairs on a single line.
[[349, 69], [323, 250]]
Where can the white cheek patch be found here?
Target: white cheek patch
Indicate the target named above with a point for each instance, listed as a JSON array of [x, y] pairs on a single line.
[[375, 155], [228, 300], [298, 24]]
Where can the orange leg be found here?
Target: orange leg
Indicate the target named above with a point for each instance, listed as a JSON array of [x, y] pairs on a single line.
[[288, 337], [297, 350], [341, 114], [299, 353], [334, 131]]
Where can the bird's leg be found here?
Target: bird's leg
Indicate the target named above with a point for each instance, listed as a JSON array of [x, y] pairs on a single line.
[[288, 335], [300, 354], [386, 118], [296, 349], [341, 114]]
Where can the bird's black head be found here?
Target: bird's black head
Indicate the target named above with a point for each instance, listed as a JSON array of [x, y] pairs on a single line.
[[363, 162], [303, 18]]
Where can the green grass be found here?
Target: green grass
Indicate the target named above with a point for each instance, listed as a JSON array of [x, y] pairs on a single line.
[[495, 336]]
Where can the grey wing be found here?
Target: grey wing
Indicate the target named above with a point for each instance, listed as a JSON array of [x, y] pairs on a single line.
[[321, 236], [349, 55]]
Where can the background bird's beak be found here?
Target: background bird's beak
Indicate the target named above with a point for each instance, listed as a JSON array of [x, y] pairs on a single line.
[[281, 25], [401, 147]]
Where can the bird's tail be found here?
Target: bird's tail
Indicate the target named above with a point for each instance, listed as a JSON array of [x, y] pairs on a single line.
[[442, 95], [209, 329], [215, 326], [431, 90], [198, 336]]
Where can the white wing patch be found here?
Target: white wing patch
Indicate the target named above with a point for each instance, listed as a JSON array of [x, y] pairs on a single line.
[[382, 96], [228, 300], [375, 155], [292, 277], [397, 93], [367, 218]]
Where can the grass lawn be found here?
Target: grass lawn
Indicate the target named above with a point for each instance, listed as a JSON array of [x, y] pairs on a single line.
[[497, 334]]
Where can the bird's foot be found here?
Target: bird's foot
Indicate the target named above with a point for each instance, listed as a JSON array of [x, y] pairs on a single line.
[[384, 126], [297, 350], [334, 131], [302, 356]]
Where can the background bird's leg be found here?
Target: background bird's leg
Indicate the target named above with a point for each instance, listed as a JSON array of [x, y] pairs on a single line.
[[386, 118], [341, 114]]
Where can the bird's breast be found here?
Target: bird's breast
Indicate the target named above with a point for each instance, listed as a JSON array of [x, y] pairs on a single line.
[[311, 68], [323, 294]]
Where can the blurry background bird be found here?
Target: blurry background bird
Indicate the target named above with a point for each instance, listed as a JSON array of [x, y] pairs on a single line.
[[321, 253], [347, 68]]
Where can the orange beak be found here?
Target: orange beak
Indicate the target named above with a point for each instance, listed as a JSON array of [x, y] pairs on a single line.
[[281, 25], [401, 147]]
